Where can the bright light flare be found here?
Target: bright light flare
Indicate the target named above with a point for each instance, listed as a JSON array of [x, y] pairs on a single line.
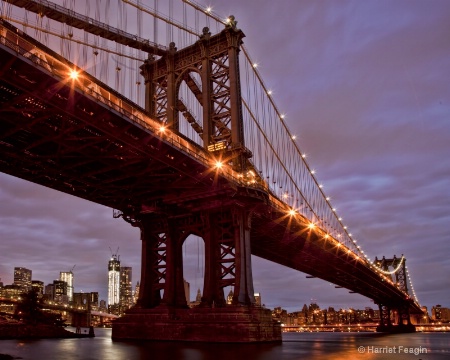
[[292, 212], [162, 129], [73, 74], [311, 226], [218, 165]]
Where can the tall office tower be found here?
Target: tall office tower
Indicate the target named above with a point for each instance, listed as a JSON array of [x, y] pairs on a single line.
[[22, 278], [126, 289], [114, 281], [67, 276]]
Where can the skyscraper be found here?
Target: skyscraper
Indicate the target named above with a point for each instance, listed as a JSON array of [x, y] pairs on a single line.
[[126, 289], [67, 276], [114, 281], [22, 278]]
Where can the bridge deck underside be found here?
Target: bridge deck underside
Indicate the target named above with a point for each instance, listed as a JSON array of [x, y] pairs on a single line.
[[62, 138], [55, 136]]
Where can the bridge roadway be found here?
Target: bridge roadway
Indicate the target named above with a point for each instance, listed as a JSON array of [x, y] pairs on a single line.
[[82, 138]]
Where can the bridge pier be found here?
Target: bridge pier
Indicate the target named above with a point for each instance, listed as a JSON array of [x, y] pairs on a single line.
[[403, 319], [162, 312]]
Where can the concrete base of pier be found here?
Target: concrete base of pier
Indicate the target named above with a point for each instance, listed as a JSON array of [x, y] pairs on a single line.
[[227, 324]]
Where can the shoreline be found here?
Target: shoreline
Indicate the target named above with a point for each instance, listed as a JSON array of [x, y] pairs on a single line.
[[40, 331]]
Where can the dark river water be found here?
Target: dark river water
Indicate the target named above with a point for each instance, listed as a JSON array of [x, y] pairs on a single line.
[[295, 346]]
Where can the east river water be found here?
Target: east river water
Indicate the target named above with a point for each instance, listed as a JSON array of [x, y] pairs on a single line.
[[313, 346]]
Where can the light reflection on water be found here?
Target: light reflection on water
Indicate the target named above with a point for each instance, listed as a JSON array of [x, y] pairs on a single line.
[[313, 346]]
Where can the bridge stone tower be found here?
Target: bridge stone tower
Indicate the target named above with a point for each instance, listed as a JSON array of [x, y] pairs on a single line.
[[220, 214]]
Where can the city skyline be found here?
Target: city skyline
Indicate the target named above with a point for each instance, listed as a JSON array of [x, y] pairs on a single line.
[[364, 88]]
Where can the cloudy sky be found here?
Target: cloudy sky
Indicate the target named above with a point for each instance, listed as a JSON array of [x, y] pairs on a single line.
[[365, 86]]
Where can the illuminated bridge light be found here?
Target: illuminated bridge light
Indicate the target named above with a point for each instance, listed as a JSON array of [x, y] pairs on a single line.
[[270, 92], [292, 212], [218, 165], [73, 74], [303, 156], [255, 65], [162, 129], [311, 226], [313, 172], [294, 137], [282, 116]]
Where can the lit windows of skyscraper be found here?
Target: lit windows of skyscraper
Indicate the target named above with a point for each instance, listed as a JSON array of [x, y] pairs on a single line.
[[67, 276], [22, 278], [113, 281], [126, 289]]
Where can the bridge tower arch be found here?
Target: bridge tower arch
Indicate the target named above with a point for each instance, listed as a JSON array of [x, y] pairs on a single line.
[[216, 59], [395, 317]]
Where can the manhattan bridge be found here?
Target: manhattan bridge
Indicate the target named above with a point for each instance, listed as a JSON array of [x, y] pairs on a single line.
[[158, 112]]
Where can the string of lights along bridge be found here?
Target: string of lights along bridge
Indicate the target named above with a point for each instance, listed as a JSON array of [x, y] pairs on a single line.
[[111, 46]]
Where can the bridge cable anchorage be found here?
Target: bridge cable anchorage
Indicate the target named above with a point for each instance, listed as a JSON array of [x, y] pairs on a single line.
[[60, 14]]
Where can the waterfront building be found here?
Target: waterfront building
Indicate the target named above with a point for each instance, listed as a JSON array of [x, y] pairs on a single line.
[[67, 276], [440, 314], [22, 278], [114, 282]]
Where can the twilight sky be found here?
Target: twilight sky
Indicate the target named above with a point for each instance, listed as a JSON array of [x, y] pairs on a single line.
[[365, 86]]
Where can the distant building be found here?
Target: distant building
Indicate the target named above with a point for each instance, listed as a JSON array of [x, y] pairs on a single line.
[[126, 289], [49, 292], [440, 314], [38, 287], [230, 297], [187, 291], [11, 291], [198, 299], [136, 293], [67, 276], [60, 292], [257, 299], [22, 278], [102, 307], [114, 281]]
